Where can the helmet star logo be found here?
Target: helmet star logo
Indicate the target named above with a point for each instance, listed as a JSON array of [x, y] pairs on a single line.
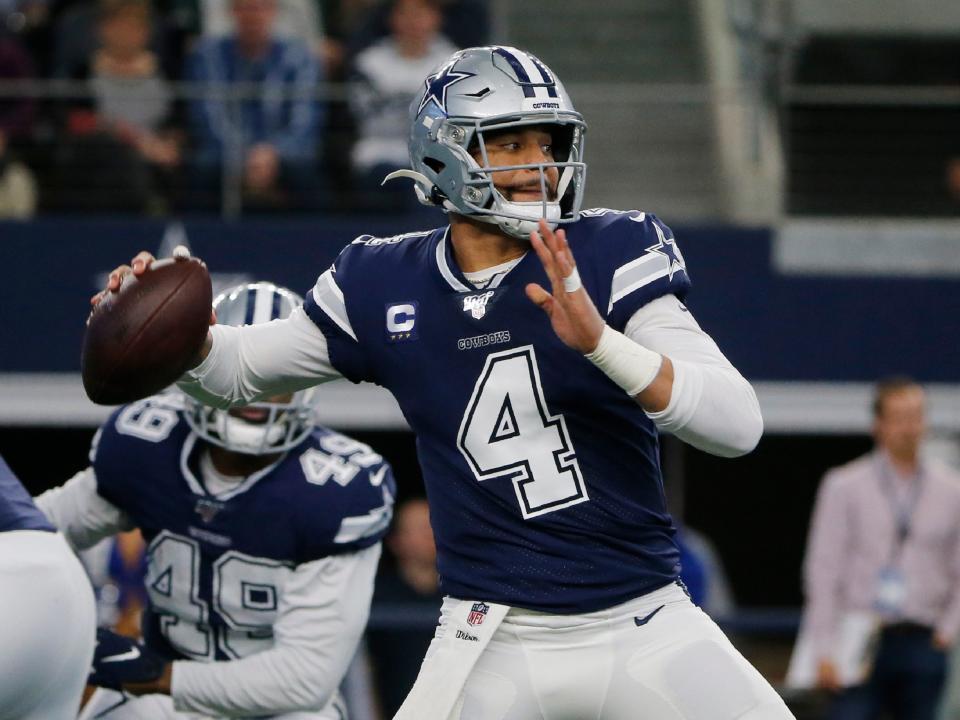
[[437, 85]]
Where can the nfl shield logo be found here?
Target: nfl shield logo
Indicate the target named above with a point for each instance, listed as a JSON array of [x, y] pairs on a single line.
[[476, 305], [477, 613], [207, 509]]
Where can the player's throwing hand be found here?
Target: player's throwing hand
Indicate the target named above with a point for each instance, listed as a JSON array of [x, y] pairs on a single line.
[[138, 266], [571, 311]]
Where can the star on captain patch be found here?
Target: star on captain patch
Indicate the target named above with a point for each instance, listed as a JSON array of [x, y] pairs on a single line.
[[668, 248], [438, 84]]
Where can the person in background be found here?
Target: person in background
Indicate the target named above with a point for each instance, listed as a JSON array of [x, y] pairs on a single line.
[[885, 539], [267, 135], [123, 124], [16, 114], [702, 571], [18, 187], [117, 566], [953, 180], [948, 449], [466, 22], [386, 75], [412, 584], [303, 19]]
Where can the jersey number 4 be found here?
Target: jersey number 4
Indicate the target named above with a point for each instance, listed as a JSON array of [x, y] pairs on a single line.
[[508, 432]]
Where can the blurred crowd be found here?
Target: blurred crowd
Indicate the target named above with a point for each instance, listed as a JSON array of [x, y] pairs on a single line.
[[216, 105]]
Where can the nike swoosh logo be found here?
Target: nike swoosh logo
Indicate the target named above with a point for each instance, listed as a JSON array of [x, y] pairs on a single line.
[[131, 654], [376, 479], [640, 621]]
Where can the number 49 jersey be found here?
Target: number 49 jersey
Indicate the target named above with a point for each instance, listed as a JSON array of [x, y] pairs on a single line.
[[543, 475], [216, 565]]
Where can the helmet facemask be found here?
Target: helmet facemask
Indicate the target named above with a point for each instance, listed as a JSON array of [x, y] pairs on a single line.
[[560, 204], [283, 427]]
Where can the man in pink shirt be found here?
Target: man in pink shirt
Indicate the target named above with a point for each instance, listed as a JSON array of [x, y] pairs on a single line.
[[885, 540]]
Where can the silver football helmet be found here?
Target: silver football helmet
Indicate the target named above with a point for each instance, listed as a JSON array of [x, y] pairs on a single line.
[[483, 90], [260, 428]]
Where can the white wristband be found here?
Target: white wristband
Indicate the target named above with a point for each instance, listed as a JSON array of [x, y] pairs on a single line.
[[630, 365]]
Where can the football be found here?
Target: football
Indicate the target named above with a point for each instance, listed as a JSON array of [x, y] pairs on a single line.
[[143, 337]]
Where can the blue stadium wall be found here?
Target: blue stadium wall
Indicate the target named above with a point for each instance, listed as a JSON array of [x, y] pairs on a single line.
[[782, 329]]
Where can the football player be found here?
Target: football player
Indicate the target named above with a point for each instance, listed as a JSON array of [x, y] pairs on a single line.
[[536, 350], [48, 612], [263, 535]]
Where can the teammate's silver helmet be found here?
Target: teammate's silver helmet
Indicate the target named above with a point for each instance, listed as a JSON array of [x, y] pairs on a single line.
[[277, 427], [484, 90]]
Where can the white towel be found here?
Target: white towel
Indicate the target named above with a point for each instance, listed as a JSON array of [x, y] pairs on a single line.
[[470, 625]]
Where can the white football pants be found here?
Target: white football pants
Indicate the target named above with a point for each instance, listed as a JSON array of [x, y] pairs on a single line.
[[111, 705], [658, 657], [48, 629]]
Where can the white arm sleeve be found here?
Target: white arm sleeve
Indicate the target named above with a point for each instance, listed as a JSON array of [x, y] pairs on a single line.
[[712, 406], [257, 361], [323, 609], [77, 511]]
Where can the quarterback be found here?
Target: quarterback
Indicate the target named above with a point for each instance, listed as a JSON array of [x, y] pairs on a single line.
[[536, 350], [263, 535]]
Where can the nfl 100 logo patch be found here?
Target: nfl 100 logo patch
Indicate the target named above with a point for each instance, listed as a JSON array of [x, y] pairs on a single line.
[[476, 305], [207, 509], [478, 613]]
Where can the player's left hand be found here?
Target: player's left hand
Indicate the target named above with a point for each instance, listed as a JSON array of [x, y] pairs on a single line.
[[121, 663], [571, 311]]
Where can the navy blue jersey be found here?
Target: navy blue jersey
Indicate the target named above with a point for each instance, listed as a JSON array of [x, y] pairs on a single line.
[[216, 565], [543, 475], [17, 511]]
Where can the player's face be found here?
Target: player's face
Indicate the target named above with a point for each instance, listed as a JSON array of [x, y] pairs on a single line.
[[259, 414], [900, 427], [521, 147]]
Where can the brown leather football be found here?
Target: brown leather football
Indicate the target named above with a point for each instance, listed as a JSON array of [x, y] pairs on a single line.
[[143, 337]]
